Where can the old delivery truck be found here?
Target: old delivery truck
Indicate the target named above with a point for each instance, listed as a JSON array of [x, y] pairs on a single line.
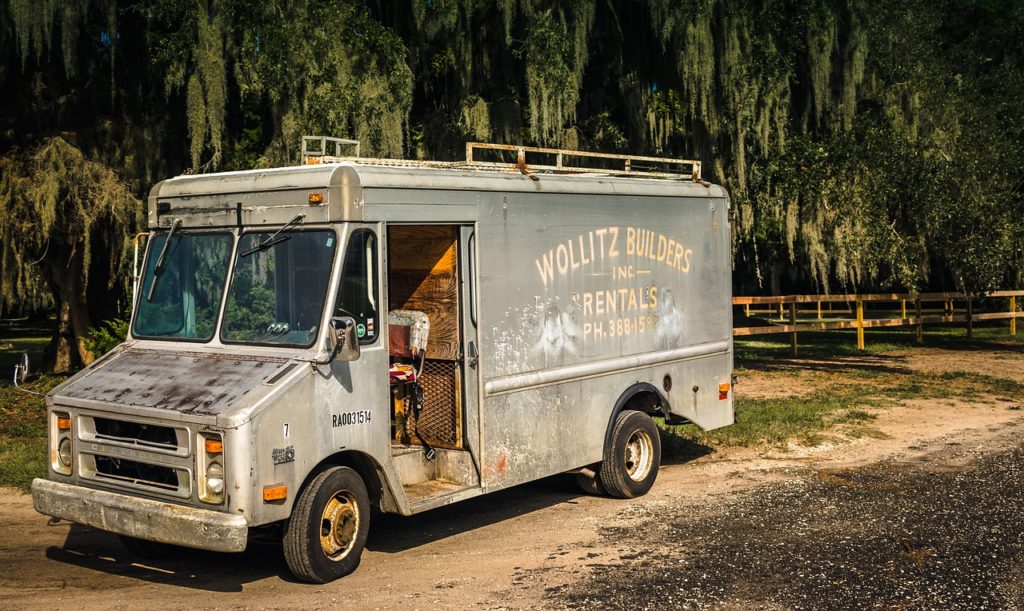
[[311, 341]]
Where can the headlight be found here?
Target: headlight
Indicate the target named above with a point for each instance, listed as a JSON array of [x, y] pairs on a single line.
[[210, 467], [215, 478], [61, 454], [64, 452]]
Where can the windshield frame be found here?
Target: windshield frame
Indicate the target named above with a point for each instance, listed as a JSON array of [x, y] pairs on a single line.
[[138, 298], [329, 284]]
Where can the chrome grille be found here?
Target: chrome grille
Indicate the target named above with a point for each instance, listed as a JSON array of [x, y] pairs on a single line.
[[135, 454], [137, 474], [135, 434]]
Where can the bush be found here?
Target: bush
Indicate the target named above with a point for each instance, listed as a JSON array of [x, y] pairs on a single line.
[[106, 337]]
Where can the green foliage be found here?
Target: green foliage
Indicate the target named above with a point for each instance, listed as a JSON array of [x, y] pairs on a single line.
[[556, 53], [23, 452], [328, 68], [865, 146], [106, 337], [54, 202]]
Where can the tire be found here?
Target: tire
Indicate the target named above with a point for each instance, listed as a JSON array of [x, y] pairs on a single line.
[[632, 457], [589, 481], [325, 536], [147, 550]]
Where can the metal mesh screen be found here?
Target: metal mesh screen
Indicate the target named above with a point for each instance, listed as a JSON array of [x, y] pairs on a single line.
[[439, 421]]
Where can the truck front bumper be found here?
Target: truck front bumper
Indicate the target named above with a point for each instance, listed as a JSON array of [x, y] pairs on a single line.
[[141, 518]]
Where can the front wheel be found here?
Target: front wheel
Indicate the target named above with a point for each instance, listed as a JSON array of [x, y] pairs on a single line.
[[632, 457], [325, 536]]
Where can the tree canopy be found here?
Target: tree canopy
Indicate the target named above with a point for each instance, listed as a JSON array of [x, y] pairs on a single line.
[[865, 145]]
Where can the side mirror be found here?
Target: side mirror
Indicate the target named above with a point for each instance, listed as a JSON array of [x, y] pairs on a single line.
[[346, 343]]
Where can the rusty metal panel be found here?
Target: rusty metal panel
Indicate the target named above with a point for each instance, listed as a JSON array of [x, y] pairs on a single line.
[[188, 382], [581, 297]]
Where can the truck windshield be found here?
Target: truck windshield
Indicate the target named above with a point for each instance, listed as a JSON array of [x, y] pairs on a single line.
[[189, 285], [278, 288]]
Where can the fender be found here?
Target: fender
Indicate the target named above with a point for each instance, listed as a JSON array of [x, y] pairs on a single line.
[[377, 484], [627, 396]]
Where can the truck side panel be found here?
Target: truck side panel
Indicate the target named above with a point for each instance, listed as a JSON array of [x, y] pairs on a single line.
[[583, 296]]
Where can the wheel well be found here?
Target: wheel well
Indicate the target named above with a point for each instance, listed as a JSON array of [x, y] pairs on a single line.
[[642, 397], [367, 468]]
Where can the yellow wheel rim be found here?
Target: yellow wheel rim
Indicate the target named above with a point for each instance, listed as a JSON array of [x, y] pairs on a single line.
[[339, 525]]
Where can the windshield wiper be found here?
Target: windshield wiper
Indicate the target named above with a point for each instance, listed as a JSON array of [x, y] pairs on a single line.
[[158, 269], [272, 238]]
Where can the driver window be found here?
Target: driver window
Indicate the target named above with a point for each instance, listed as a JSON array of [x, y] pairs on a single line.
[[357, 293]]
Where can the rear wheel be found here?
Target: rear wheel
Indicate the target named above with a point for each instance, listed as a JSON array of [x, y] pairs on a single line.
[[325, 536], [632, 457], [589, 480]]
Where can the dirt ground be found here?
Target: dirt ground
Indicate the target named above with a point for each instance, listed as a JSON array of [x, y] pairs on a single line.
[[541, 545]]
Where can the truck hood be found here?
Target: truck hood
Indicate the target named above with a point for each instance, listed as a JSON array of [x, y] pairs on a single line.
[[197, 383]]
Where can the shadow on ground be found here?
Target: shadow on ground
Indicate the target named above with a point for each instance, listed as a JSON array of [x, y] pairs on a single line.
[[845, 364], [97, 550]]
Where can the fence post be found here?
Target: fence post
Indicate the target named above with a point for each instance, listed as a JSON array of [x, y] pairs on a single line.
[[819, 310], [920, 321], [746, 309], [1013, 319], [970, 316], [860, 324], [903, 308], [792, 321]]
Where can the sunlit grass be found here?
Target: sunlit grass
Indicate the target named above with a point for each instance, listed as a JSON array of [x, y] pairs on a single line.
[[848, 405]]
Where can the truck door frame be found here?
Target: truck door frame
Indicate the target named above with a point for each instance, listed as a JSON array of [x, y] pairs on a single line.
[[469, 369], [472, 411]]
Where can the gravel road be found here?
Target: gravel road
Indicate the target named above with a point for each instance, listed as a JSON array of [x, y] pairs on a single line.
[[943, 531]]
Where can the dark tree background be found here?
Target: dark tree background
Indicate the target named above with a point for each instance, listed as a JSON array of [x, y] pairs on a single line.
[[866, 145]]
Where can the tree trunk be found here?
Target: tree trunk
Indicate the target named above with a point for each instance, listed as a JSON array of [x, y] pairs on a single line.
[[59, 355], [775, 278], [67, 350]]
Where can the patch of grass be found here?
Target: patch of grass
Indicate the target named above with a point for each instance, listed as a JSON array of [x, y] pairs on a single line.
[[856, 432], [23, 432], [18, 338], [842, 408], [953, 384], [23, 451], [853, 416], [825, 344], [992, 384], [776, 421], [21, 460]]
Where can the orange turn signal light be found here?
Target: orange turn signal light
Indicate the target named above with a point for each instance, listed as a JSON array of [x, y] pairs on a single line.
[[63, 423], [277, 492], [316, 199], [214, 446], [723, 391]]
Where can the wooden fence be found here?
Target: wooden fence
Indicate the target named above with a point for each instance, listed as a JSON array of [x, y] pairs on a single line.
[[786, 311]]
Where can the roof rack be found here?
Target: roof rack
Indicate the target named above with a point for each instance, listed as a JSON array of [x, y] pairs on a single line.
[[316, 148], [528, 160], [570, 161]]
